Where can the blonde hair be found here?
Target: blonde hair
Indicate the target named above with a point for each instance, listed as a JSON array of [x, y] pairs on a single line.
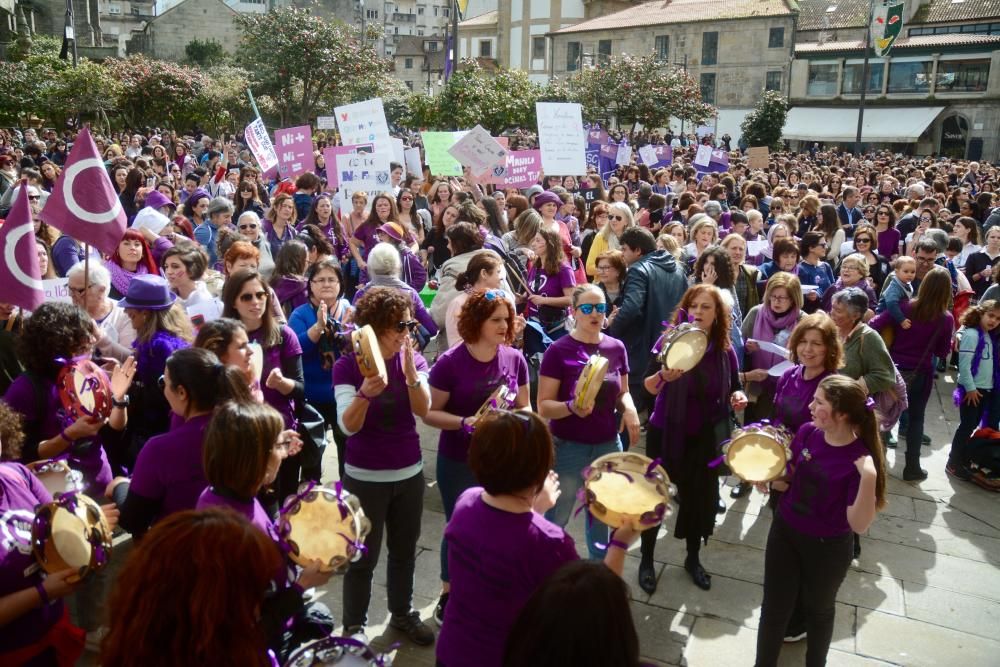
[[607, 232], [788, 281], [858, 261], [704, 222]]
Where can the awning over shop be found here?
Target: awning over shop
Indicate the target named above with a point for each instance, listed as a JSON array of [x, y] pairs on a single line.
[[840, 124]]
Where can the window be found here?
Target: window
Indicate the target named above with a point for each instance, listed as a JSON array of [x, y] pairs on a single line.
[[432, 46], [709, 48], [409, 84], [822, 80], [445, 11], [776, 38], [853, 74], [573, 53], [909, 77], [708, 88], [485, 49], [773, 80], [435, 10], [408, 63], [538, 48], [963, 75], [604, 51], [662, 48], [420, 11], [420, 32], [371, 14]]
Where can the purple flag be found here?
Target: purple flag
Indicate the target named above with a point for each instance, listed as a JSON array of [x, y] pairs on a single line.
[[607, 161], [656, 156], [596, 137], [20, 276], [83, 203], [295, 151], [718, 161]]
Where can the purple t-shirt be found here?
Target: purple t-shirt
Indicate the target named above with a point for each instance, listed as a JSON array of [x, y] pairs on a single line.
[[545, 284], [169, 467], [289, 347], [388, 439], [20, 493], [824, 484], [469, 384], [496, 560], [792, 397], [252, 510], [368, 236], [89, 460], [888, 242], [563, 361]]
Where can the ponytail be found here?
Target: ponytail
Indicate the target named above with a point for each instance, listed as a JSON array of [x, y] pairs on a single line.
[[207, 381], [480, 261], [870, 435]]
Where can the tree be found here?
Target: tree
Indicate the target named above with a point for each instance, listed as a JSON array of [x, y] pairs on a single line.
[[222, 104], [26, 78], [765, 122], [86, 91], [638, 89], [302, 62], [496, 100], [204, 54], [156, 92]]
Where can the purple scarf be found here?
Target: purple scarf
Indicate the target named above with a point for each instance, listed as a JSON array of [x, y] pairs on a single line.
[[977, 358], [121, 277], [766, 327]]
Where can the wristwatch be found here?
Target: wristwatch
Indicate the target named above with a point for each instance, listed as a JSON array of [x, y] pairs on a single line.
[[416, 384], [120, 404]]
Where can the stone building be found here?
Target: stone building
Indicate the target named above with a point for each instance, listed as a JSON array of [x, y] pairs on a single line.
[[419, 63], [166, 35], [478, 36], [937, 91]]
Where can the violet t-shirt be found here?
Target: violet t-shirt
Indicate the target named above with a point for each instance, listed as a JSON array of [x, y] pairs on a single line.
[[273, 356], [169, 468], [469, 383], [792, 397], [563, 361], [90, 459], [824, 484], [496, 560], [888, 242], [20, 493], [388, 439], [252, 510], [551, 285]]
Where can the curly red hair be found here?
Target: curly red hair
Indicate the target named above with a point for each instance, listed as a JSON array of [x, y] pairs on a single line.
[[480, 307], [719, 333]]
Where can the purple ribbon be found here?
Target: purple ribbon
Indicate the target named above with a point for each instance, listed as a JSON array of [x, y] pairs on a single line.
[[870, 404]]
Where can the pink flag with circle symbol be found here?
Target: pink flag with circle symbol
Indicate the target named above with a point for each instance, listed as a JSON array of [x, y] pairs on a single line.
[[84, 203], [20, 275]]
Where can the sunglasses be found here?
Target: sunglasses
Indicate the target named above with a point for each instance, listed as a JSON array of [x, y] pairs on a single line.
[[588, 308], [248, 226], [619, 218], [409, 324], [406, 199], [34, 197], [252, 296], [861, 239], [494, 294], [161, 382], [883, 213]]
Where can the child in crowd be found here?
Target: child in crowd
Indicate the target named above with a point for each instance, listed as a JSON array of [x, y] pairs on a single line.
[[900, 289]]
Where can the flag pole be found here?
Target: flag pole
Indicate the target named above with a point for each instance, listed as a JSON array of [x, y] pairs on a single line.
[[253, 104], [864, 79]]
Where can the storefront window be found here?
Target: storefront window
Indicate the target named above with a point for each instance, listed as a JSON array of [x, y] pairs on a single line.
[[853, 74], [822, 80], [909, 77], [963, 75]]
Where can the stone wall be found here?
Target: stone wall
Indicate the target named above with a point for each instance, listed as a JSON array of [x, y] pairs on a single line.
[[166, 36]]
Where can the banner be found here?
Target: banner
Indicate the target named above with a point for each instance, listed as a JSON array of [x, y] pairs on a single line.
[[260, 145], [295, 151], [368, 172], [522, 170], [478, 151], [887, 24], [606, 161], [656, 156], [436, 155], [717, 160], [20, 275], [364, 123], [561, 138]]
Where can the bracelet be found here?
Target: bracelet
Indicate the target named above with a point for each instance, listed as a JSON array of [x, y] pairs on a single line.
[[69, 440], [416, 384], [467, 428], [617, 543], [362, 396], [569, 406], [43, 594]]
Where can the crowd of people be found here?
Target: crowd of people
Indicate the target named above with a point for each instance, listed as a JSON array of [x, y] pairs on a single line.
[[833, 291]]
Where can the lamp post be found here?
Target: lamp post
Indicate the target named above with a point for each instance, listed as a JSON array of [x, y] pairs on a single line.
[[864, 78]]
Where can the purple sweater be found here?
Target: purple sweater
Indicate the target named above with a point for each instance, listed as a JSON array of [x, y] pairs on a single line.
[[913, 348]]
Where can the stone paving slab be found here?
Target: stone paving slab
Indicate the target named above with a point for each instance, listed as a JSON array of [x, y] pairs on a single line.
[[917, 644]]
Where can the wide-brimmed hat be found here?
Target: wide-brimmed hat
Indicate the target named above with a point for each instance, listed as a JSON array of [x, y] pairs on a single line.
[[156, 200], [148, 292], [393, 230]]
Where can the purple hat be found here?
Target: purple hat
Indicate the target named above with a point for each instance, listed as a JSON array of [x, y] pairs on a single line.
[[393, 230], [148, 292], [547, 197], [196, 195], [157, 200]]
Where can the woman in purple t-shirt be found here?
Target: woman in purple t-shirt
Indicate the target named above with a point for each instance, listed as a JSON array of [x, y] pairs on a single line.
[[366, 235], [584, 434], [550, 284], [462, 380], [835, 487]]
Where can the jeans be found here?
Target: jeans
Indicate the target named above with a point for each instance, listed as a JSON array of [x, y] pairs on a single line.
[[571, 458], [918, 392], [453, 477], [394, 509], [800, 566], [969, 418]]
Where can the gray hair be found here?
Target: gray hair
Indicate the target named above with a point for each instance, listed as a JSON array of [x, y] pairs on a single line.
[[384, 260], [940, 238], [97, 274], [248, 214], [854, 299]]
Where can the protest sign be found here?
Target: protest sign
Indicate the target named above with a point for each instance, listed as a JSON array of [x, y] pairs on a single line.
[[368, 172], [412, 159], [326, 122], [330, 154], [759, 157], [703, 156], [478, 151], [399, 153], [364, 123], [624, 154], [521, 170], [260, 145], [561, 138], [57, 289], [295, 151], [436, 155]]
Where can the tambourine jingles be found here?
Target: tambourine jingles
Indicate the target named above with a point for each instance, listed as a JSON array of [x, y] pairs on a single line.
[[622, 487], [71, 532], [682, 347], [501, 399], [84, 390], [56, 476], [758, 452], [325, 524], [341, 651], [590, 381], [366, 350]]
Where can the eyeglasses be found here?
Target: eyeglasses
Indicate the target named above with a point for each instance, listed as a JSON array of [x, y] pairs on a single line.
[[161, 382], [325, 281], [34, 197], [79, 291], [588, 308], [251, 296], [406, 199], [925, 220], [924, 260], [882, 213], [494, 294], [409, 324], [779, 299], [244, 227], [861, 239]]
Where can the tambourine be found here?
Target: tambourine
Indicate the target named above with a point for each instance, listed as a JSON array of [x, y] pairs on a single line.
[[501, 399], [342, 651], [682, 347], [590, 381], [366, 351], [325, 524], [758, 452], [71, 532], [56, 476], [84, 390], [624, 488]]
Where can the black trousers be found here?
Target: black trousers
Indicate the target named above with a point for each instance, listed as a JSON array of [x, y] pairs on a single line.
[[329, 412], [395, 509], [796, 563]]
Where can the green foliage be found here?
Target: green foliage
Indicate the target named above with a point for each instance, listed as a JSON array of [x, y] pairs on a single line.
[[156, 92], [26, 79], [88, 91], [204, 54], [764, 124]]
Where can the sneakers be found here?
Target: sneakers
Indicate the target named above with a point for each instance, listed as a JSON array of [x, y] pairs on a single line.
[[958, 472], [917, 475], [984, 482], [795, 636], [439, 609], [413, 627]]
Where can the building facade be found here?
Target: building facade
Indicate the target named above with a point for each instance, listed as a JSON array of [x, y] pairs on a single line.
[[419, 63], [165, 36]]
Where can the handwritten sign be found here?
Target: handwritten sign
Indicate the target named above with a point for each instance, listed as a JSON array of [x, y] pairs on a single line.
[[624, 154], [326, 122], [703, 156], [367, 172], [295, 151], [522, 170], [759, 157], [57, 289], [561, 138], [478, 151], [260, 145], [411, 157], [436, 146], [364, 123]]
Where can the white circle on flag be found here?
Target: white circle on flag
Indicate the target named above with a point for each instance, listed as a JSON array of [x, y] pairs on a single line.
[[10, 256], [70, 175]]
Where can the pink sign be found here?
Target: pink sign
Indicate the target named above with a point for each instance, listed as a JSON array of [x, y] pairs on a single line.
[[295, 151], [521, 171], [330, 154]]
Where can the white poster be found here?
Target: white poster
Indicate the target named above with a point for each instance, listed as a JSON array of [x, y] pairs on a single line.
[[703, 156], [561, 138], [326, 122], [261, 146], [624, 155], [363, 123], [57, 289], [399, 153], [479, 151], [648, 154], [368, 172], [412, 159]]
